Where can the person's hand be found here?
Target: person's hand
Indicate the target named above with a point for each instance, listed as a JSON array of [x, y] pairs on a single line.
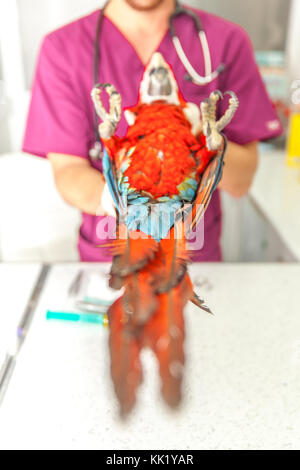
[[107, 205]]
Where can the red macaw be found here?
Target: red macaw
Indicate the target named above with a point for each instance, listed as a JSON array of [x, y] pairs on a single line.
[[161, 176]]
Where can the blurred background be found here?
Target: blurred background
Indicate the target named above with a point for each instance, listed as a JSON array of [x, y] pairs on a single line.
[[35, 224]]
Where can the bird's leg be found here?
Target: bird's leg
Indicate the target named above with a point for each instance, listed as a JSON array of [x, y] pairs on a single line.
[[211, 127], [112, 117]]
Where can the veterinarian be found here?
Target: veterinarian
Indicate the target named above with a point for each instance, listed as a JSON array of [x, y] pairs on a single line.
[[60, 123]]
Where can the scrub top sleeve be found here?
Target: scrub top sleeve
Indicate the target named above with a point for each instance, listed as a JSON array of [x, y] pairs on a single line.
[[57, 121], [256, 118]]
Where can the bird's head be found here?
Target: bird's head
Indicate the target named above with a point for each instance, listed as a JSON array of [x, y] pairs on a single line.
[[158, 83]]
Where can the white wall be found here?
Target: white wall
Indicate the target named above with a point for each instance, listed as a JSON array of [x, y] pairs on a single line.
[[38, 17], [23, 23], [12, 75]]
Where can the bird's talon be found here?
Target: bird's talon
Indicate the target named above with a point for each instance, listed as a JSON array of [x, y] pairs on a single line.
[[211, 127], [112, 117]]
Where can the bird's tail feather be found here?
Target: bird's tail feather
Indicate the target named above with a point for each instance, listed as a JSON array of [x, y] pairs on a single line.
[[164, 334], [124, 345], [149, 313]]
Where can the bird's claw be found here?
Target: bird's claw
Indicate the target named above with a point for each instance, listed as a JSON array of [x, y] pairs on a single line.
[[211, 127], [112, 117]]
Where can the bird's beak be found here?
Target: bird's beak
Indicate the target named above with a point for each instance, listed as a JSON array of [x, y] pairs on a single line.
[[158, 76]]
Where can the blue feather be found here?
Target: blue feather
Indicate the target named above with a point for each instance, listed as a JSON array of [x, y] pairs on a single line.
[[139, 200], [193, 183], [155, 219], [187, 193], [111, 181]]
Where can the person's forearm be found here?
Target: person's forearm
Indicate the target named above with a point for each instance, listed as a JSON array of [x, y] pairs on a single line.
[[80, 185], [239, 169]]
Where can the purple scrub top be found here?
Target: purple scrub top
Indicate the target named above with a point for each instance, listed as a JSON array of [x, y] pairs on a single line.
[[60, 118]]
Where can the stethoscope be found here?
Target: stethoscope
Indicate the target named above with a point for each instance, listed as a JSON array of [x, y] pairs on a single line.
[[192, 75]]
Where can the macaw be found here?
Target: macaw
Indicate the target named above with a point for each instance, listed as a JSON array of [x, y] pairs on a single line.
[[161, 176]]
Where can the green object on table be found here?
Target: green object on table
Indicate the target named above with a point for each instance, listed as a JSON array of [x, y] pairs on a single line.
[[77, 317], [94, 300]]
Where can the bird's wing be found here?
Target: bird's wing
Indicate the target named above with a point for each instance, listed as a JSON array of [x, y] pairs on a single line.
[[208, 183]]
